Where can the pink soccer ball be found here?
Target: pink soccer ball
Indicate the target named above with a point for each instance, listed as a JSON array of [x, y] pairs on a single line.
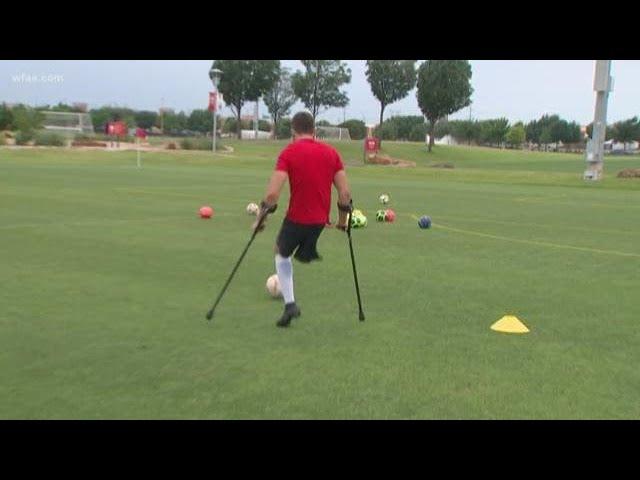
[[206, 212], [390, 216]]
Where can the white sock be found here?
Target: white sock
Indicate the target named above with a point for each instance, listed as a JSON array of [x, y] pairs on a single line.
[[284, 268]]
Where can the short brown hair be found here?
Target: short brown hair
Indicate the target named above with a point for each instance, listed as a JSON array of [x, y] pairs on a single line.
[[302, 123]]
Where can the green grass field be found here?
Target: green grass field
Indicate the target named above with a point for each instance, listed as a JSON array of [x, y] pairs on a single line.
[[107, 273]]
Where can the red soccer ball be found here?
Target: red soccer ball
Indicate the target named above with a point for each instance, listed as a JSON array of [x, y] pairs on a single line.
[[390, 216], [206, 212]]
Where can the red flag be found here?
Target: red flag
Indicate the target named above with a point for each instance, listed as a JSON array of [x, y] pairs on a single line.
[[213, 101]]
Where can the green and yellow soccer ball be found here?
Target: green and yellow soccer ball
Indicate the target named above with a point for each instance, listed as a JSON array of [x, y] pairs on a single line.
[[380, 215], [358, 221]]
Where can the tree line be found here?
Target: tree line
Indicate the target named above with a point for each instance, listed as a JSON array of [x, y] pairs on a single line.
[[545, 131], [443, 87]]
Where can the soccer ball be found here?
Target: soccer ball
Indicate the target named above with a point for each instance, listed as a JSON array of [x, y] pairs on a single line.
[[384, 198], [380, 215], [273, 286], [390, 216], [424, 222], [357, 213], [359, 221], [253, 209], [206, 212]]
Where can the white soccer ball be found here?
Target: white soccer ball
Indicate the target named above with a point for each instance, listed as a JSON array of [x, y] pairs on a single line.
[[273, 286], [384, 198], [253, 209]]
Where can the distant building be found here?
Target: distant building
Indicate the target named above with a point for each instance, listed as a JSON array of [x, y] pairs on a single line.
[[446, 140], [619, 147]]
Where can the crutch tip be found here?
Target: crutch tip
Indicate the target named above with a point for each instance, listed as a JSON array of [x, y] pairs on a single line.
[[209, 315], [361, 317]]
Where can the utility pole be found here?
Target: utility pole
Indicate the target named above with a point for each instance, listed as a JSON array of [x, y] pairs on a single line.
[[602, 85], [162, 115]]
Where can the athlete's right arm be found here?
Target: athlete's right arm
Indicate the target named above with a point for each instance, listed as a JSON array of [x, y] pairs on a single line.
[[344, 197]]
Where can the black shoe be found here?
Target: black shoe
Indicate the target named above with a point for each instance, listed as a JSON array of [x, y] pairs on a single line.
[[291, 311]]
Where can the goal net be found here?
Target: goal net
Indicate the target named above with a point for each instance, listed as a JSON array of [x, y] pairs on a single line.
[[67, 121], [332, 133]]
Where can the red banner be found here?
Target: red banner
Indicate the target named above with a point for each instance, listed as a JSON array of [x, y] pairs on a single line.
[[371, 144], [141, 133], [213, 101], [118, 129]]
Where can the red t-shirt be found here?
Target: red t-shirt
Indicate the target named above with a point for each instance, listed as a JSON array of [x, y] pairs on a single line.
[[311, 166]]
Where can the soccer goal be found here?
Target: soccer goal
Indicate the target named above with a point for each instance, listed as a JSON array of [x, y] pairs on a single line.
[[67, 122], [332, 133]]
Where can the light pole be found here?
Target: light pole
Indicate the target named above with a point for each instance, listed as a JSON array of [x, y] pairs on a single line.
[[214, 75], [602, 85]]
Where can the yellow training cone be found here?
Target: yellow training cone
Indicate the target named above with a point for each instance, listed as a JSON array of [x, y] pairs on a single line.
[[509, 324]]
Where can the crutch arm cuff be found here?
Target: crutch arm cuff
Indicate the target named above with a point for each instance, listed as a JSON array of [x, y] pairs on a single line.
[[345, 208], [265, 207]]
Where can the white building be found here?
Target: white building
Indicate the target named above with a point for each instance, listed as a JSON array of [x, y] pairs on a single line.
[[618, 147]]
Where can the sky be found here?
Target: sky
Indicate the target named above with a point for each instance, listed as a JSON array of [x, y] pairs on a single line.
[[515, 89]]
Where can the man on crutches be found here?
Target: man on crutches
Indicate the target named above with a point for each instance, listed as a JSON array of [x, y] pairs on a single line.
[[311, 167]]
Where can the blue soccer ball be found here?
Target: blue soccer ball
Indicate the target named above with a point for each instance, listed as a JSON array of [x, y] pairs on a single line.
[[424, 222]]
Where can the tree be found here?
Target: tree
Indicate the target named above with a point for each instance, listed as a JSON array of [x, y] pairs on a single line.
[[6, 118], [357, 128], [390, 80], [516, 135], [494, 131], [387, 131], [546, 136], [418, 133], [319, 85], [175, 122], [626, 131], [283, 131], [403, 127], [572, 133], [102, 115], [26, 119], [145, 119], [280, 98], [444, 87], [464, 130], [246, 81], [200, 120], [557, 130]]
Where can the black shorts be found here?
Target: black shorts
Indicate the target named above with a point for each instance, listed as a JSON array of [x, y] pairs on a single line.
[[304, 238]]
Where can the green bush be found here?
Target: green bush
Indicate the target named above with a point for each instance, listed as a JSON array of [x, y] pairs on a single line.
[[25, 118], [85, 136], [357, 128], [284, 129], [23, 137], [418, 133], [105, 138], [50, 139], [387, 131]]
